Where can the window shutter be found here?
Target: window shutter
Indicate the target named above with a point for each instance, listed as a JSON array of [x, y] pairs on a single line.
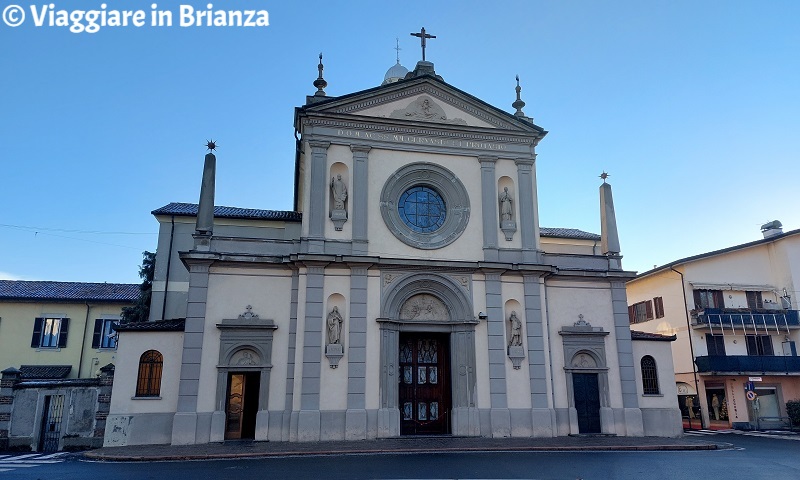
[[719, 299], [62, 333], [36, 339], [98, 331], [649, 309], [632, 314], [698, 304], [658, 303]]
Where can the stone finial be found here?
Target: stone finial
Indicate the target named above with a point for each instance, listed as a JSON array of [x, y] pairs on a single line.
[[320, 82], [248, 314], [518, 104]]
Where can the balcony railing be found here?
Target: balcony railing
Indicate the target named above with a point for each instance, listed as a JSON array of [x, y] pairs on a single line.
[[747, 363], [749, 322]]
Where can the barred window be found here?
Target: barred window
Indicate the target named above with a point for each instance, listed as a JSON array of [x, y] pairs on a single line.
[[649, 376], [148, 383]]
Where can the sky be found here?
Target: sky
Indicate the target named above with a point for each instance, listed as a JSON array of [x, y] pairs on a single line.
[[690, 106]]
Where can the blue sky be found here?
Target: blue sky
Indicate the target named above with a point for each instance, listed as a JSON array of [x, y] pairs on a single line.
[[692, 107]]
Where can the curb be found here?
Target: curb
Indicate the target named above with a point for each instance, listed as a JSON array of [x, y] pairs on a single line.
[[300, 453]]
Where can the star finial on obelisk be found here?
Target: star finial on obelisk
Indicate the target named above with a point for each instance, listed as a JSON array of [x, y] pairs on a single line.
[[604, 175], [422, 36]]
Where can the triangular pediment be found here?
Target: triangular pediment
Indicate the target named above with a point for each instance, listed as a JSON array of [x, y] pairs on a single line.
[[426, 100]]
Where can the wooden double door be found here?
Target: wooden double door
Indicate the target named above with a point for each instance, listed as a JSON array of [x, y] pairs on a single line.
[[424, 384]]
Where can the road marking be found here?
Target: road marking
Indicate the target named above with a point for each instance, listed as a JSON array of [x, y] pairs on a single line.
[[20, 457], [16, 465], [53, 455]]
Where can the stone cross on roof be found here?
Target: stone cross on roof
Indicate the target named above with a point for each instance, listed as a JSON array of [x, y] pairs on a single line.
[[422, 35]]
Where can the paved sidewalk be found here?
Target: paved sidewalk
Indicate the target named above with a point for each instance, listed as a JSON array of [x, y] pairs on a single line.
[[244, 449]]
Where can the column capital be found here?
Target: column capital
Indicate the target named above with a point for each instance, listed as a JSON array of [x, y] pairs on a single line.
[[487, 160], [317, 145], [362, 149], [524, 164]]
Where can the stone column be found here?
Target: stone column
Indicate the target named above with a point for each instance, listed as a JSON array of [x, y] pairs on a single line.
[[360, 201], [289, 421], [356, 416], [318, 192], [10, 378], [184, 424], [542, 411], [466, 418], [622, 331], [500, 415], [489, 207], [308, 421], [388, 412], [528, 218]]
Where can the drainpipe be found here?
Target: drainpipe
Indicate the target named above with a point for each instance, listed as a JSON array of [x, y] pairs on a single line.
[[691, 344], [169, 261], [83, 339]]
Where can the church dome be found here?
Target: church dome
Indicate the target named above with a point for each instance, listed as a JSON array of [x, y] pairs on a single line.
[[397, 72]]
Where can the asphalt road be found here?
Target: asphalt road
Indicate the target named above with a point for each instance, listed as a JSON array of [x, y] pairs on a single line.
[[752, 458]]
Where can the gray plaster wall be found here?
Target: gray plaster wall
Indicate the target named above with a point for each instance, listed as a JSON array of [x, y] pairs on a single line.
[[139, 429], [662, 422]]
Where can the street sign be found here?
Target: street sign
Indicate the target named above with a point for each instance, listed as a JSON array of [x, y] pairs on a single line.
[[754, 379], [751, 395]]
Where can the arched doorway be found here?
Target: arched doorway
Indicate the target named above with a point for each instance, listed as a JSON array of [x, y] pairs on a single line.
[[427, 357]]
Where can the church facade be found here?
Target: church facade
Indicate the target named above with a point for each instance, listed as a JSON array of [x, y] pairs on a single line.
[[410, 291]]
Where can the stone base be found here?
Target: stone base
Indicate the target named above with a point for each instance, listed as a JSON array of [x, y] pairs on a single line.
[[334, 352], [634, 426], [466, 422], [544, 422], [501, 422], [217, 427], [355, 424], [338, 217], [308, 426], [388, 422], [184, 428], [262, 426], [517, 354], [607, 421]]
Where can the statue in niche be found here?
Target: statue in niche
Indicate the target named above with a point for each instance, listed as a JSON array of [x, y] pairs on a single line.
[[507, 223], [339, 191], [506, 210], [516, 331], [334, 322], [339, 196]]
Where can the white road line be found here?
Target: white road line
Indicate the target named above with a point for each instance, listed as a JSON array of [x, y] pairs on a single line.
[[5, 470], [4, 456], [35, 461], [53, 455], [27, 456], [15, 465]]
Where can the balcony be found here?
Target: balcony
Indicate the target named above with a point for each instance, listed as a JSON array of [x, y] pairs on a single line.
[[748, 322], [748, 364]]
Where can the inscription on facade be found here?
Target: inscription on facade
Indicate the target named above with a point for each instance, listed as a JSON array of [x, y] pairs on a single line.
[[439, 142]]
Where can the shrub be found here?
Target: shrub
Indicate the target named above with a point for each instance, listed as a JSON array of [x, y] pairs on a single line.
[[793, 410]]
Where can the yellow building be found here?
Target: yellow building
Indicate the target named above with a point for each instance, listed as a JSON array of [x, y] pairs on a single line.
[[60, 329], [735, 314]]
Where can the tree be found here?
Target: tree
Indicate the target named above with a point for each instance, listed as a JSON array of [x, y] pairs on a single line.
[[793, 410], [140, 311]]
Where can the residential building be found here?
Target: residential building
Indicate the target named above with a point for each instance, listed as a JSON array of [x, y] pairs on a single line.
[[57, 349], [735, 314], [410, 291]]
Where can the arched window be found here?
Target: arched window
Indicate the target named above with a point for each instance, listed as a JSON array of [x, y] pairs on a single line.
[[148, 383], [649, 376]]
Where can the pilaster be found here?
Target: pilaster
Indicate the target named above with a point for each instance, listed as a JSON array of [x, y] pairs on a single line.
[[360, 195]]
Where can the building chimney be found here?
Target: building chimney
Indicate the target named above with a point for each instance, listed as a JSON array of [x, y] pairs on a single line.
[[771, 229]]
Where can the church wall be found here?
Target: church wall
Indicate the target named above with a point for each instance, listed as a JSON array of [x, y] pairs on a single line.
[[131, 346], [517, 381], [299, 342], [452, 112], [339, 162], [333, 381], [506, 176], [384, 163], [566, 300], [372, 400], [481, 342], [570, 246], [660, 413], [230, 291]]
